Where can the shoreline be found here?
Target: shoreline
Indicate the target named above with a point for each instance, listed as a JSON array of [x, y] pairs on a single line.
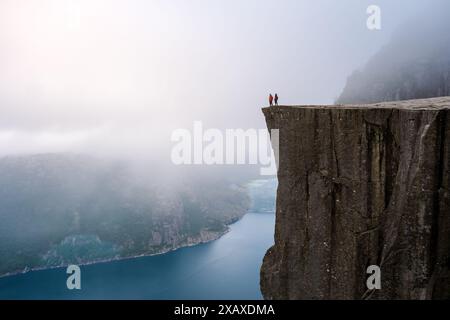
[[186, 243], [215, 237]]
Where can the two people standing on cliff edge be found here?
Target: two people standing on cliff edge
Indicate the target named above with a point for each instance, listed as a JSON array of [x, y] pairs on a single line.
[[273, 99]]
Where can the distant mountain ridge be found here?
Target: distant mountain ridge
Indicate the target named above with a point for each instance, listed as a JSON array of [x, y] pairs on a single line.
[[415, 65]]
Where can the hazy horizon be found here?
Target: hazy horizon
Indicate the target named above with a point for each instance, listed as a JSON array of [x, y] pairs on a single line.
[[118, 77]]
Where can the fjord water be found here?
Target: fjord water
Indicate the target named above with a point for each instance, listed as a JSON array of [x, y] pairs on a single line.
[[227, 268]]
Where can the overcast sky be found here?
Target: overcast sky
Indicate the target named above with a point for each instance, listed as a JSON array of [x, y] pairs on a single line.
[[95, 74]]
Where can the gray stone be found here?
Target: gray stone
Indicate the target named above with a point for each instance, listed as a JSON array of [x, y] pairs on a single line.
[[361, 185]]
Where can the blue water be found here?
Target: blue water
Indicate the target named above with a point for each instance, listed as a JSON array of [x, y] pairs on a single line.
[[227, 268]]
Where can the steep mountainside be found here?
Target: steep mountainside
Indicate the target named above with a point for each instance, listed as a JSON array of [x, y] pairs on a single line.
[[415, 65], [60, 209], [358, 186]]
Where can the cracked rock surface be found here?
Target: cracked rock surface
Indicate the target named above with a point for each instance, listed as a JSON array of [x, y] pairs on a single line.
[[361, 185]]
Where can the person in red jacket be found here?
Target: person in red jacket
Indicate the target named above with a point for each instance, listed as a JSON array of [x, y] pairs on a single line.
[[276, 99], [271, 99]]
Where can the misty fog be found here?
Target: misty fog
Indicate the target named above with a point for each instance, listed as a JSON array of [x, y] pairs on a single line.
[[116, 77], [92, 93]]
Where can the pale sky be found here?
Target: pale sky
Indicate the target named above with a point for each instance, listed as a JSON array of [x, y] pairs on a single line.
[[99, 74]]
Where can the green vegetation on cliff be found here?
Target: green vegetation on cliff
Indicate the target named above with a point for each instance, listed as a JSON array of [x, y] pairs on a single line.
[[58, 209]]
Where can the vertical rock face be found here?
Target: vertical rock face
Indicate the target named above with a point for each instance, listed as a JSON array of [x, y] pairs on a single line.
[[359, 186]]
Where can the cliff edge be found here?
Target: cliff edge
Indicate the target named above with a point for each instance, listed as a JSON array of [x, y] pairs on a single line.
[[361, 185]]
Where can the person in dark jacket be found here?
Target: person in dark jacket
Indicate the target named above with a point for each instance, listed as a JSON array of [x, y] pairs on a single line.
[[276, 99], [271, 99]]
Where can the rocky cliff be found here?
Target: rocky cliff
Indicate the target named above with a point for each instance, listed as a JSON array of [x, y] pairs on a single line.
[[60, 209], [361, 185]]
